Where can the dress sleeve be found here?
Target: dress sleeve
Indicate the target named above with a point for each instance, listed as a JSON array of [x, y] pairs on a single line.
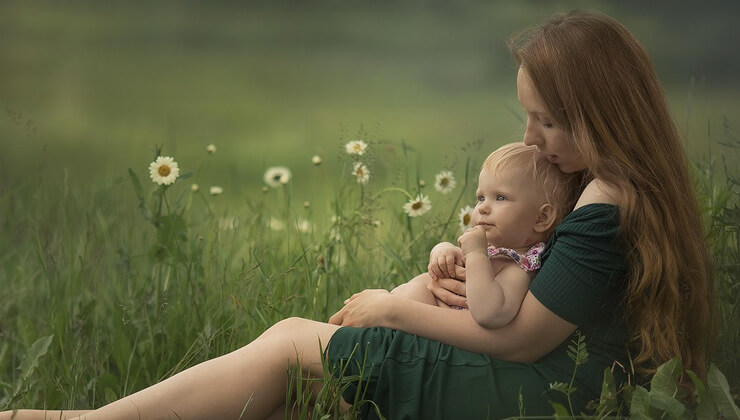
[[583, 267]]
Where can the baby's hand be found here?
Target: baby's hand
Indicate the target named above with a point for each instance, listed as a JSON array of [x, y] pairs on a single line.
[[442, 261], [473, 240]]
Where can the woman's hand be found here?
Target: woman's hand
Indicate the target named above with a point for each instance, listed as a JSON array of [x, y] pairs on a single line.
[[369, 308], [450, 292]]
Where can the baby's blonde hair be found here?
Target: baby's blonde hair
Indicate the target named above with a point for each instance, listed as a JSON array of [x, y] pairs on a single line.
[[559, 189]]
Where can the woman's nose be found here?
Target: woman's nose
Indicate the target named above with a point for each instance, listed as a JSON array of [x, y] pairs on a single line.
[[531, 135]]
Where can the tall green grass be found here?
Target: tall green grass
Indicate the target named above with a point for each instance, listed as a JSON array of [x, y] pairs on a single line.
[[112, 288], [129, 282]]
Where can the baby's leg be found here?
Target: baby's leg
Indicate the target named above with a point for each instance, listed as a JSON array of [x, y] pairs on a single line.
[[417, 289]]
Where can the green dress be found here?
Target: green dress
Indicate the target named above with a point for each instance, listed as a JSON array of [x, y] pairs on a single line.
[[582, 280]]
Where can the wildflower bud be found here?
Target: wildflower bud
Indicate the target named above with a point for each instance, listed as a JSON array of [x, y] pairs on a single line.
[[306, 204], [422, 183], [265, 189], [211, 148], [194, 187], [216, 190], [316, 160], [376, 223]]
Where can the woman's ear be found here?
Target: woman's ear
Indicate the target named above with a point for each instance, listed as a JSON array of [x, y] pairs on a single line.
[[546, 218]]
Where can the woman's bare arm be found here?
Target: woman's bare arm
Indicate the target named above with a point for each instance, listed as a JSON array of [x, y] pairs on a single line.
[[533, 333]]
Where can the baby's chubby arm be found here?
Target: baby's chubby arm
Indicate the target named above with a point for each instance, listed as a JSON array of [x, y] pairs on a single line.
[[493, 298], [442, 261]]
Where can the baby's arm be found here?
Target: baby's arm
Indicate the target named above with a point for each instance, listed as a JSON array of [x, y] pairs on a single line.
[[442, 260], [493, 298]]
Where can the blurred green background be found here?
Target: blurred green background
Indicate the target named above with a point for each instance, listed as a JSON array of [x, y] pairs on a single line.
[[92, 87]]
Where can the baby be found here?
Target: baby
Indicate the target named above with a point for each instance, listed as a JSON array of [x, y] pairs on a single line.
[[521, 197]]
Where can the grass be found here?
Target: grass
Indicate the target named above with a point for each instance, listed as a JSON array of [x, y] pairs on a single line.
[[88, 91], [128, 283]]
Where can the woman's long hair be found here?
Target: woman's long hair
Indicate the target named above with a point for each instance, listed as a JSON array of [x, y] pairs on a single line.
[[599, 85]]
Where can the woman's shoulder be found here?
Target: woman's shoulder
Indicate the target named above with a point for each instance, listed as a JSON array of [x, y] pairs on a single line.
[[598, 207], [598, 192]]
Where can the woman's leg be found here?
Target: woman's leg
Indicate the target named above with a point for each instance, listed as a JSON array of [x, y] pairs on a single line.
[[416, 289], [251, 380], [42, 414]]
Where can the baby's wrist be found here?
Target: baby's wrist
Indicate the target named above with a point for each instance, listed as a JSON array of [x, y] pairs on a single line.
[[477, 252]]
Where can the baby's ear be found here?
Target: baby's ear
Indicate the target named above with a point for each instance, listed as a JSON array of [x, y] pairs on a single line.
[[546, 218]]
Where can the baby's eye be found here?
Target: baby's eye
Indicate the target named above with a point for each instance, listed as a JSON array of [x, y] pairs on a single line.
[[500, 198], [481, 198], [547, 124]]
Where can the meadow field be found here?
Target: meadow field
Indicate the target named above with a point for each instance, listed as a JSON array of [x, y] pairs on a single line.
[[111, 282]]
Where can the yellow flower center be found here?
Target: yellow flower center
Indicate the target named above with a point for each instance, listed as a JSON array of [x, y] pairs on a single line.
[[358, 148], [164, 170], [417, 205], [466, 219], [444, 181]]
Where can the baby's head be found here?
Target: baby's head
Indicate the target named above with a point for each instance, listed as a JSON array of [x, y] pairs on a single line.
[[518, 187]]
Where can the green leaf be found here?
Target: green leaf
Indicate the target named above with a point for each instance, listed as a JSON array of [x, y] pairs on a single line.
[[608, 397], [34, 354], [640, 403], [140, 195], [665, 378], [706, 409], [562, 387], [668, 404], [720, 391], [560, 411]]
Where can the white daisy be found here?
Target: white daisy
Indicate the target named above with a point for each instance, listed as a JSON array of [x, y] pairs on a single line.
[[361, 172], [276, 224], [356, 147], [211, 148], [417, 206], [164, 170], [277, 176], [316, 160], [444, 182], [303, 225], [216, 190], [466, 218]]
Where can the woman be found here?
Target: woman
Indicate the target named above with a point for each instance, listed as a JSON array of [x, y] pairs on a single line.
[[627, 269]]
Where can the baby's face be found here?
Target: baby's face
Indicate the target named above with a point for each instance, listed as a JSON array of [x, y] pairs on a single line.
[[507, 206]]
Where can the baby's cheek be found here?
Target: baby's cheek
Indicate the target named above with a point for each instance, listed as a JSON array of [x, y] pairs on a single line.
[[474, 218]]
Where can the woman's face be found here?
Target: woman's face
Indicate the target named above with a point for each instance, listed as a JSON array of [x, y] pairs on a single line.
[[541, 130]]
